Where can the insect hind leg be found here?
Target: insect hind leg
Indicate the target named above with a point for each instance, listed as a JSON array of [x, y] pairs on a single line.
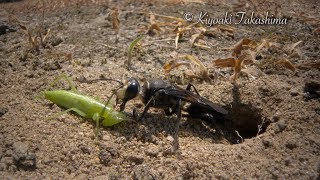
[[96, 118], [65, 77], [66, 111], [176, 133]]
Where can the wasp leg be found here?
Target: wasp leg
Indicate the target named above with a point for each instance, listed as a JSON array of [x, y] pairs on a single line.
[[146, 108], [123, 105], [134, 114], [168, 112], [176, 133], [195, 89]]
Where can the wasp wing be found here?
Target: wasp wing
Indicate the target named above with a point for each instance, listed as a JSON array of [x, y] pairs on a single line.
[[191, 97]]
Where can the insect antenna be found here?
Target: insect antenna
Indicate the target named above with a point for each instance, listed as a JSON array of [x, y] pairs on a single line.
[[103, 78]]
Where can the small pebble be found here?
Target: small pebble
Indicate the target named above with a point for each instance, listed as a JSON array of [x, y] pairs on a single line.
[[287, 162], [7, 160], [275, 118], [8, 152], [294, 92], [291, 144], [20, 148], [105, 157], [22, 157], [113, 149], [120, 140], [137, 159], [85, 149], [281, 125], [56, 41], [170, 138], [3, 166], [153, 152], [3, 111], [142, 172], [267, 142]]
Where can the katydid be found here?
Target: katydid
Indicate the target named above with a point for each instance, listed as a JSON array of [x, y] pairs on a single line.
[[83, 105]]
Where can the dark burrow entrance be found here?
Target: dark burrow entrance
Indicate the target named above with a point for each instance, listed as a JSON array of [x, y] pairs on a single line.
[[246, 121]]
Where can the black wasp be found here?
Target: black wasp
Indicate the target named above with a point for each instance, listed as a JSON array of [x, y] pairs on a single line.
[[158, 93], [173, 99]]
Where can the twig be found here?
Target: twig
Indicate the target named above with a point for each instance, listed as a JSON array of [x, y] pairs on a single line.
[[108, 46], [239, 137], [260, 127]]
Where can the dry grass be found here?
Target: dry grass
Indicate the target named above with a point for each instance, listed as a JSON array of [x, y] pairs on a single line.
[[36, 6]]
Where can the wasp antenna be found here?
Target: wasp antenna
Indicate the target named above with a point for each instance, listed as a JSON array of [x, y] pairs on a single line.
[[113, 93], [103, 77], [107, 79]]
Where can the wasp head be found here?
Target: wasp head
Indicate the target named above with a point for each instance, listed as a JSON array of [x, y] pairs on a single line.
[[130, 90]]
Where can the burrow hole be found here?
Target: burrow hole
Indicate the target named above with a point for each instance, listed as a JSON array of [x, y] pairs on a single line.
[[246, 120]]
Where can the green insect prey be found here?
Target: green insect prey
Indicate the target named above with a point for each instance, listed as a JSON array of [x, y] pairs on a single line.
[[83, 105]]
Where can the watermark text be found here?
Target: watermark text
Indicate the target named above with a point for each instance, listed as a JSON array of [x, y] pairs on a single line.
[[240, 17]]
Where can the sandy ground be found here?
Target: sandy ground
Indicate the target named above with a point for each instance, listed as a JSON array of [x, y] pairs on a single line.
[[286, 103]]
